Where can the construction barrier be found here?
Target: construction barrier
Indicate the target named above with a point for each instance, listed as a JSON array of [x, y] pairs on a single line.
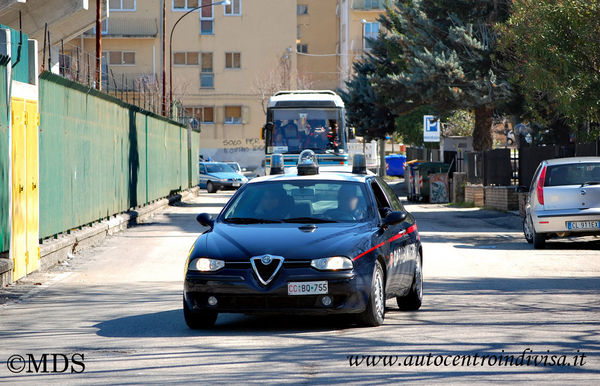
[[100, 156]]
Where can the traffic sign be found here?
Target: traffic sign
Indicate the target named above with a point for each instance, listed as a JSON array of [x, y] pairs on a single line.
[[431, 129]]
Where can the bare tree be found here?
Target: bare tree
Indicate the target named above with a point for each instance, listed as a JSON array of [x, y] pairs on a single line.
[[277, 77]]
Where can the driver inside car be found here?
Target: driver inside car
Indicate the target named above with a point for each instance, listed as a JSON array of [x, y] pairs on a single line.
[[350, 205]]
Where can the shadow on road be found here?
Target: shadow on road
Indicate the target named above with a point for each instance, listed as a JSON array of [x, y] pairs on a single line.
[[441, 296], [171, 324]]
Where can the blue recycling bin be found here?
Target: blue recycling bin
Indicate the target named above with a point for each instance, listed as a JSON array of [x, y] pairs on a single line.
[[394, 164]]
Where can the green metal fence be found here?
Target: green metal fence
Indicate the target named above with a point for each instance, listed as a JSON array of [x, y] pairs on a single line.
[[100, 156], [4, 158]]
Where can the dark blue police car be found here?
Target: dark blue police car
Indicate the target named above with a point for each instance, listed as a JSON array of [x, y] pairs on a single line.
[[313, 243]]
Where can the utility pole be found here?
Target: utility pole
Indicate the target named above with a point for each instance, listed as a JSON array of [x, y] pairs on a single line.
[[164, 77], [98, 46]]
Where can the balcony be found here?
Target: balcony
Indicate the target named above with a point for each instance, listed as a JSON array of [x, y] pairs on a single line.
[[369, 5], [128, 27]]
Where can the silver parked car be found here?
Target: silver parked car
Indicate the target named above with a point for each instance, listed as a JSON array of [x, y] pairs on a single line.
[[564, 200]]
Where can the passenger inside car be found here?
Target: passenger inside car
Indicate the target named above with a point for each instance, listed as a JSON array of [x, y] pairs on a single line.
[[350, 205], [273, 204]]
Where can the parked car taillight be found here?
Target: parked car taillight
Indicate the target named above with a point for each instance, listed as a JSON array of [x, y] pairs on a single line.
[[540, 186]]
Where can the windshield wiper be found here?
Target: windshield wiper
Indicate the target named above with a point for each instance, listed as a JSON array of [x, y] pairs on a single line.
[[590, 183], [318, 150], [250, 220], [308, 220]]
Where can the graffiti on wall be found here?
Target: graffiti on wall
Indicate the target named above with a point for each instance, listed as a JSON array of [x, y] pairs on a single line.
[[243, 145]]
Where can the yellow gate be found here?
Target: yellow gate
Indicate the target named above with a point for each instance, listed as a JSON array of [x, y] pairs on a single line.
[[25, 200], [32, 123]]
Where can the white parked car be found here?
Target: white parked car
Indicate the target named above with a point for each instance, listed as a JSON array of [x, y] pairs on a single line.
[[564, 200]]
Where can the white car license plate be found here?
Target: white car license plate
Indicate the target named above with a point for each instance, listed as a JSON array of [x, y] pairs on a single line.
[[582, 225], [307, 288], [236, 184]]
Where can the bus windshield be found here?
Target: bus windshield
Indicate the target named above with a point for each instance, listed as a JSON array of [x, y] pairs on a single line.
[[320, 130]]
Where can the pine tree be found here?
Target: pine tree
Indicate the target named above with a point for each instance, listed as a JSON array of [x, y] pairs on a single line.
[[366, 111], [447, 55]]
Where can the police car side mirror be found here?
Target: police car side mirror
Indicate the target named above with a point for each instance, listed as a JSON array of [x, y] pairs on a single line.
[[393, 219], [205, 220]]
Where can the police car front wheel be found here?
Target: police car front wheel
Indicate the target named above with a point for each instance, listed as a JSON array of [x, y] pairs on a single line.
[[374, 314]]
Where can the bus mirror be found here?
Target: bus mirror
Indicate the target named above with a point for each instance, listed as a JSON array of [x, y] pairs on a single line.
[[267, 130], [351, 133]]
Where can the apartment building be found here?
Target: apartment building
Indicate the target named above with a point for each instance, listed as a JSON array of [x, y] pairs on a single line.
[[332, 34], [220, 56], [226, 59]]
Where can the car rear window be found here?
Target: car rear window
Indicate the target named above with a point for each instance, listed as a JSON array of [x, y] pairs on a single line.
[[572, 174]]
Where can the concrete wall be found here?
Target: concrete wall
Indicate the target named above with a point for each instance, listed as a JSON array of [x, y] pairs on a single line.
[[501, 198], [494, 197], [475, 194]]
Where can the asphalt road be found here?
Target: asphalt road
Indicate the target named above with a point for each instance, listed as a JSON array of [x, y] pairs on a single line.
[[487, 292]]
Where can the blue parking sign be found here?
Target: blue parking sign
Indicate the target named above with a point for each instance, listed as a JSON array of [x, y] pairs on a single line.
[[431, 129]]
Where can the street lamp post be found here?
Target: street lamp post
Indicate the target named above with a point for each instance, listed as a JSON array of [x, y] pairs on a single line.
[[223, 2], [363, 23]]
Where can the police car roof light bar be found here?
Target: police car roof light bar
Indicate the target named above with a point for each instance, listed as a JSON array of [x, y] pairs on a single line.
[[277, 164], [308, 164], [359, 164]]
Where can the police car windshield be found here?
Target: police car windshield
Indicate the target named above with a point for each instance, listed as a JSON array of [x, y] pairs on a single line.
[[219, 168], [300, 202], [299, 129]]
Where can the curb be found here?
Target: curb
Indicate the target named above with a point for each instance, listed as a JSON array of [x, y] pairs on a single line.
[[55, 251]]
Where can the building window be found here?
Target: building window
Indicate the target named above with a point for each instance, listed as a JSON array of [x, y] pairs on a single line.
[[207, 18], [233, 60], [122, 5], [186, 58], [207, 77], [120, 58], [203, 114], [371, 32], [302, 48], [233, 114], [302, 9], [299, 32], [104, 27], [234, 9], [64, 62], [185, 5]]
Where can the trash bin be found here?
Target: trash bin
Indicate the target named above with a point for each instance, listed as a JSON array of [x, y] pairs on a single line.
[[409, 177], [421, 178], [394, 164]]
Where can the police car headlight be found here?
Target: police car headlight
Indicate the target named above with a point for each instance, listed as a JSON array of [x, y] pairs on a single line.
[[332, 263], [204, 264]]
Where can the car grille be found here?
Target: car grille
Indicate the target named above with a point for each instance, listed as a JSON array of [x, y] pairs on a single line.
[[286, 264]]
